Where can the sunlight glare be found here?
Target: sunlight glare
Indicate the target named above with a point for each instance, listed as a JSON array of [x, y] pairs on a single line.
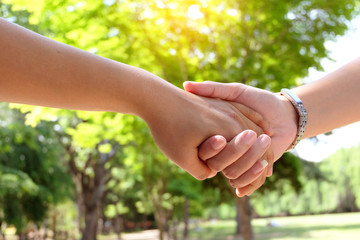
[[160, 4], [232, 12], [194, 12]]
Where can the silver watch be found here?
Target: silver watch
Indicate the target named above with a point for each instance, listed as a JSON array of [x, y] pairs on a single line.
[[300, 109]]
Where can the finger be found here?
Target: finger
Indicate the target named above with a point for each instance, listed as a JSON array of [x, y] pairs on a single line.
[[269, 171], [249, 189], [242, 165], [229, 91], [232, 92], [211, 146], [257, 99], [251, 175], [195, 166], [199, 170], [269, 156], [259, 168], [238, 146]]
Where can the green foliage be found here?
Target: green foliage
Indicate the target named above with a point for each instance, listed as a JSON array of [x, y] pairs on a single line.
[[32, 174], [328, 186], [267, 44]]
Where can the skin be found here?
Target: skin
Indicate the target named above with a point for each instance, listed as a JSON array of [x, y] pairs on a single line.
[[39, 71], [331, 102]]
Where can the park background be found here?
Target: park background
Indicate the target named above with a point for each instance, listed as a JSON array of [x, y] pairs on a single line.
[[70, 174]]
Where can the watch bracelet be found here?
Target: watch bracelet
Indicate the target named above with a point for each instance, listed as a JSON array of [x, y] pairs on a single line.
[[302, 113]]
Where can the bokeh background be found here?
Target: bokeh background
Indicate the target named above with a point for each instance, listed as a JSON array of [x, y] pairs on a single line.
[[85, 175]]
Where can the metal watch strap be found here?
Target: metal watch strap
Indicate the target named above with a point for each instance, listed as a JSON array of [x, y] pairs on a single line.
[[300, 109]]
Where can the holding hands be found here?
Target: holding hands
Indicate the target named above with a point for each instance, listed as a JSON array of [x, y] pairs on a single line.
[[65, 77], [279, 113], [331, 102]]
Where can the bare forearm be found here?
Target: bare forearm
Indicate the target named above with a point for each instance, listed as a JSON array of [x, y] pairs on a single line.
[[333, 101], [37, 70]]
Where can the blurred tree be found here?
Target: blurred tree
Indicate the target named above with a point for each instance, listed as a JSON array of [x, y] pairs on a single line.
[[328, 186], [268, 44], [95, 157], [32, 172]]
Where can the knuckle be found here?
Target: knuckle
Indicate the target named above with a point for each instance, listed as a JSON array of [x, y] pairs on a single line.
[[259, 183], [234, 149], [201, 176], [235, 116], [214, 165], [238, 183], [254, 116], [230, 173], [237, 90]]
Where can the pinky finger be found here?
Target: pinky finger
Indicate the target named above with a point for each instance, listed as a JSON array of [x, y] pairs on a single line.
[[249, 189]]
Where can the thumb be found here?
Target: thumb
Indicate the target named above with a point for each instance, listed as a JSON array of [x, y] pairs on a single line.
[[257, 99], [211, 147], [225, 91]]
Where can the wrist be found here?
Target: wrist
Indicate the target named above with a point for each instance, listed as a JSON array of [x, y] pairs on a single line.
[[141, 93], [300, 111], [157, 100], [291, 119]]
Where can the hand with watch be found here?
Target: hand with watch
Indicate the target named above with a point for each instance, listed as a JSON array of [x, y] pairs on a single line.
[[330, 102], [281, 114], [274, 107]]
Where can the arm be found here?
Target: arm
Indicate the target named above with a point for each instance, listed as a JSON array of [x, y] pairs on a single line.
[[333, 101], [39, 71]]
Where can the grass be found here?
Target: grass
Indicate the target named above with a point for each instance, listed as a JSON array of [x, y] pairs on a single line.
[[319, 227]]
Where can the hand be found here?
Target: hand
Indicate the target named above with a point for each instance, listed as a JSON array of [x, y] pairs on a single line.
[[180, 124], [276, 109], [214, 150], [273, 107]]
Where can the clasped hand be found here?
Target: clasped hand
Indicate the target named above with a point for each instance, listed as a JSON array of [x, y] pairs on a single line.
[[240, 160], [237, 137]]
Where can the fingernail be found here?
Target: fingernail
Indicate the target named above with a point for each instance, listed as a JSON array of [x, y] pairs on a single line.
[[238, 193], [248, 137], [212, 174], [259, 166], [218, 143], [264, 141]]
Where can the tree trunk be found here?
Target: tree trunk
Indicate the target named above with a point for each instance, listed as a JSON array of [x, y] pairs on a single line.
[[90, 189], [2, 234], [159, 221], [54, 223], [245, 213], [238, 220], [186, 218], [173, 230], [118, 224], [91, 218], [79, 206], [22, 236]]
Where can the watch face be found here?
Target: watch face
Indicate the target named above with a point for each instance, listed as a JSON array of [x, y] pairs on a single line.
[[300, 109], [291, 95]]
